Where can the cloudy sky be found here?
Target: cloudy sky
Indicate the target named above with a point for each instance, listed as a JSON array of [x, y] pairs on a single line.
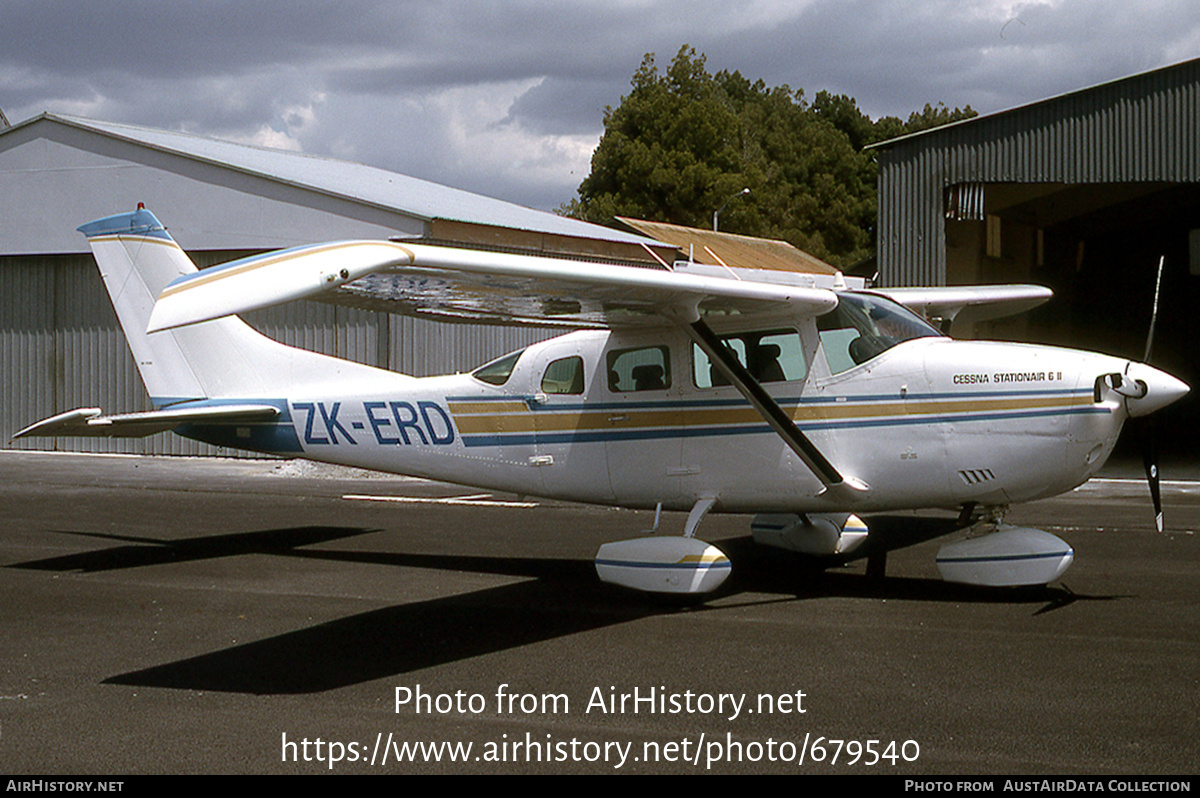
[[506, 97]]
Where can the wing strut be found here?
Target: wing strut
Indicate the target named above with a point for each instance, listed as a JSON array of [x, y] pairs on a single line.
[[836, 485]]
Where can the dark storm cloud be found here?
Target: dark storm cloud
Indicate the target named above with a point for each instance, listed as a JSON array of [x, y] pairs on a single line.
[[895, 57], [170, 40], [507, 97], [561, 106]]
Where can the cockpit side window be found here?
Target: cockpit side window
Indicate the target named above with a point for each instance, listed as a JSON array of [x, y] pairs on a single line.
[[498, 371], [862, 327], [769, 356]]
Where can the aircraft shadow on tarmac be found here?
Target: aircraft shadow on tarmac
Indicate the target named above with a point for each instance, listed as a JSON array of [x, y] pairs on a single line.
[[561, 597], [144, 551]]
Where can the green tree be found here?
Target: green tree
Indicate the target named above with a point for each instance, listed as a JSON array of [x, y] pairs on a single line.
[[665, 148], [683, 141]]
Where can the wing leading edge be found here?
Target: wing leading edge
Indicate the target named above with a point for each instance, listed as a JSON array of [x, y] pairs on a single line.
[[476, 286], [968, 303]]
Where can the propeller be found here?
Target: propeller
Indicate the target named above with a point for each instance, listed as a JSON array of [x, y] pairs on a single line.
[[1149, 440], [1145, 390], [1149, 430]]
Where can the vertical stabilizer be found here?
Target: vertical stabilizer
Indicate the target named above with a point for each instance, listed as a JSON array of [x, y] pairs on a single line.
[[222, 358], [137, 258]]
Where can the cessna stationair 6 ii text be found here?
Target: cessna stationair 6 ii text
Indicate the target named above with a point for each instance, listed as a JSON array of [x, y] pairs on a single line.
[[806, 404]]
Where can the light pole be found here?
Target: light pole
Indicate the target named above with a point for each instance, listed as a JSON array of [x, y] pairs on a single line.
[[717, 212]]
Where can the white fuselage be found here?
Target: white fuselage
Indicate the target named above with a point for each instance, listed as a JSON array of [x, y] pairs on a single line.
[[931, 422]]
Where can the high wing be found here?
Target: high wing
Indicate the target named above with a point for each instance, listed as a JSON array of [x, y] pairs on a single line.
[[468, 285], [968, 303], [487, 286], [472, 285], [90, 422]]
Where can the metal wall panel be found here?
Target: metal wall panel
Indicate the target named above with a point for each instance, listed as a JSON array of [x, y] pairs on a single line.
[[27, 361], [1145, 128], [60, 344], [61, 347], [54, 176], [423, 348], [92, 367]]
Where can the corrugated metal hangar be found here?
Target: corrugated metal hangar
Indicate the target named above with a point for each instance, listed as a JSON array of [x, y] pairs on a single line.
[[1084, 193], [60, 344]]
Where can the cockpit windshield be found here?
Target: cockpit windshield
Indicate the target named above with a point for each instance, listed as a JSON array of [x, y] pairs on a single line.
[[863, 326]]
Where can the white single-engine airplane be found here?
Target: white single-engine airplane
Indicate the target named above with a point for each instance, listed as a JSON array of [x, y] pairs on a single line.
[[804, 404]]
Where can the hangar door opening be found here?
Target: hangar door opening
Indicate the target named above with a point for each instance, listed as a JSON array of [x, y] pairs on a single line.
[[1098, 247]]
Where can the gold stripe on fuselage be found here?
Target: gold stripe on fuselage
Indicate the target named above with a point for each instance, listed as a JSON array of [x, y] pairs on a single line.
[[481, 418]]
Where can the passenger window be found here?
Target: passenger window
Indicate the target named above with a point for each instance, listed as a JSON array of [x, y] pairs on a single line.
[[645, 369], [769, 356], [564, 376]]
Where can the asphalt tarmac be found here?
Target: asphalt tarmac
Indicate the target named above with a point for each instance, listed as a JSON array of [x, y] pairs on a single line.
[[170, 615]]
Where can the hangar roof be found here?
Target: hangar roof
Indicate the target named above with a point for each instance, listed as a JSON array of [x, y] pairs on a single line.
[[1137, 84], [357, 182], [715, 248]]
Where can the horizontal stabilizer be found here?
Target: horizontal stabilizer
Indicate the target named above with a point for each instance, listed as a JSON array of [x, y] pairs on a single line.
[[90, 422], [469, 285]]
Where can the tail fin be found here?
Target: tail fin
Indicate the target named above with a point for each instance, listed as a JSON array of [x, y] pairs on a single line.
[[222, 358]]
